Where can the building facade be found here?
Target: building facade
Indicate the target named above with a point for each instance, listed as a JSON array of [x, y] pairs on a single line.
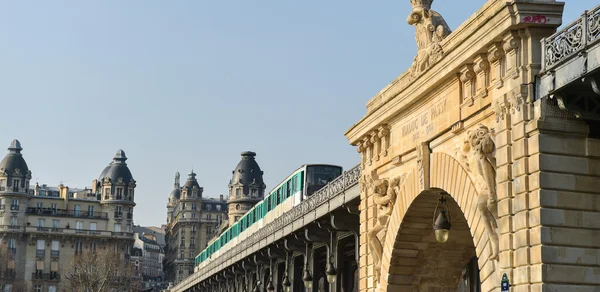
[[45, 228], [191, 222], [153, 255]]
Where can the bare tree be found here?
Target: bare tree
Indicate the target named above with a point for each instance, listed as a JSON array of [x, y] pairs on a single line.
[[98, 272], [5, 276]]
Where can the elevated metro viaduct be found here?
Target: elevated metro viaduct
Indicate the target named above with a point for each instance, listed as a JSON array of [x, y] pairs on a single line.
[[479, 170]]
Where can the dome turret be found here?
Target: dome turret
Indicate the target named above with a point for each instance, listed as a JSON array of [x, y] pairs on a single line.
[[13, 168], [176, 193], [246, 187], [14, 162], [117, 171], [191, 188]]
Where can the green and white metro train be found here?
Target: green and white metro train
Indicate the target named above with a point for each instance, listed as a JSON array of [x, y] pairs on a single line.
[[298, 186]]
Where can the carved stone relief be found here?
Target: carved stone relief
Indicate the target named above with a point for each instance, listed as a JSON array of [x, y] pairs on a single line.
[[431, 29], [478, 153], [384, 192]]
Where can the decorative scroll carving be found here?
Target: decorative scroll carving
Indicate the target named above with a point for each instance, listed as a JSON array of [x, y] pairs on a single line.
[[384, 195], [564, 43], [431, 29], [478, 154]]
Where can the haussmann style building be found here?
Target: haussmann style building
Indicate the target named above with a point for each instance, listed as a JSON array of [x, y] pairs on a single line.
[[43, 228]]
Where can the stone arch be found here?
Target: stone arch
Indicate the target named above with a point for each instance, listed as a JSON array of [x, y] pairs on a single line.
[[410, 234]]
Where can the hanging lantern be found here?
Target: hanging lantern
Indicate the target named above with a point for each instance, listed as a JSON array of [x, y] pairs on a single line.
[[307, 278], [441, 224], [287, 286]]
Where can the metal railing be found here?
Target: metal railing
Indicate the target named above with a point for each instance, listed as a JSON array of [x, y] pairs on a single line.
[[55, 253], [66, 213], [55, 276], [571, 40], [40, 253]]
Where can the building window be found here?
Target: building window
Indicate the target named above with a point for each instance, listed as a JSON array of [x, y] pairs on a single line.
[[238, 192], [93, 226], [193, 215], [79, 225], [55, 223], [2, 204], [14, 205], [183, 206], [77, 210], [107, 193], [208, 207], [93, 247], [40, 205], [78, 247], [254, 192], [12, 243], [119, 193], [16, 185], [194, 206], [117, 227], [41, 222], [53, 206], [38, 288], [14, 221], [51, 288], [218, 208], [55, 245], [208, 216], [90, 211]]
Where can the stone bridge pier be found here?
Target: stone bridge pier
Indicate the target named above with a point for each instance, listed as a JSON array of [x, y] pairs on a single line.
[[471, 179]]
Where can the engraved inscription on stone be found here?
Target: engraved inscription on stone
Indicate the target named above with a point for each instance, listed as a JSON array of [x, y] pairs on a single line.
[[423, 125]]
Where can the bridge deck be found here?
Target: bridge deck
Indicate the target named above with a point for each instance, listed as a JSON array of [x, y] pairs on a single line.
[[333, 196]]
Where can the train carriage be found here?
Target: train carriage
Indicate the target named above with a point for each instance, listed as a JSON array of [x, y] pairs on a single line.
[[295, 188]]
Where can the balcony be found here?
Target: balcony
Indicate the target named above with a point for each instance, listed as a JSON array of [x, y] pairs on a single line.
[[14, 207], [55, 253], [39, 275], [66, 231], [14, 228], [66, 213], [40, 253], [130, 216], [118, 215], [2, 207]]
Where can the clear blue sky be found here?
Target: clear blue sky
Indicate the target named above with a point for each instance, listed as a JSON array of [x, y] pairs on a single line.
[[177, 84]]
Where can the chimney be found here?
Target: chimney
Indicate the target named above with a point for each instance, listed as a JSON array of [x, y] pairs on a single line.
[[221, 197], [64, 192]]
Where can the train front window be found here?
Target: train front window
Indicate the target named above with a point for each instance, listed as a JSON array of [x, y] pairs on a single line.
[[318, 176]]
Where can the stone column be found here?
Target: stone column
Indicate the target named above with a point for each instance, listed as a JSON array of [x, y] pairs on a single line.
[[467, 76], [495, 57]]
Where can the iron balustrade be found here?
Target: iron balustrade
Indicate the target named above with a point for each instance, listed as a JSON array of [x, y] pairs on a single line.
[[14, 207], [55, 253], [118, 214], [40, 253], [39, 275], [66, 213], [573, 39]]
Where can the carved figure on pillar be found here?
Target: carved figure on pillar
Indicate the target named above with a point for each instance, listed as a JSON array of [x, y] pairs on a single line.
[[478, 153], [384, 196], [431, 29]]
